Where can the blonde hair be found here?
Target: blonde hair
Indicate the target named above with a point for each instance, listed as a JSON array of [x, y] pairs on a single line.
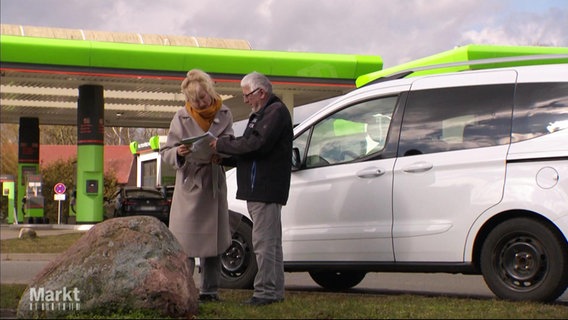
[[198, 79]]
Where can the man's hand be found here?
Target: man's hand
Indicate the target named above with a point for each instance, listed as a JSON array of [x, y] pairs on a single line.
[[216, 159]]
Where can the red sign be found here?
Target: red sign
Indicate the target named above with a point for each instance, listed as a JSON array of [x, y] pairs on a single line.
[[59, 188]]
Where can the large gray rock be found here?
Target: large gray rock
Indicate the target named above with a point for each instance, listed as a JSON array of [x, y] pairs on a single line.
[[122, 264]]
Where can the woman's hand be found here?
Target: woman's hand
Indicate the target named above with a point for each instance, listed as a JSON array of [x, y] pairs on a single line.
[[213, 144], [183, 150]]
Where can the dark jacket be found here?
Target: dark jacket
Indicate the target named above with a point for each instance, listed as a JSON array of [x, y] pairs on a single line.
[[263, 155]]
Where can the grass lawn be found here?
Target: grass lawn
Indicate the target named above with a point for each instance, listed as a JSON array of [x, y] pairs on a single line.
[[308, 305]]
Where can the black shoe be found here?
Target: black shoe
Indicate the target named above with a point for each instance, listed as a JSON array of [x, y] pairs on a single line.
[[211, 297], [254, 301]]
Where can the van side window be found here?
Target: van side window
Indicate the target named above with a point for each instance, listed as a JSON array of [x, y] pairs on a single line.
[[349, 134], [540, 108], [438, 120]]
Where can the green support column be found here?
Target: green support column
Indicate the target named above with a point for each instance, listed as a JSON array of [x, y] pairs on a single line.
[[90, 154]]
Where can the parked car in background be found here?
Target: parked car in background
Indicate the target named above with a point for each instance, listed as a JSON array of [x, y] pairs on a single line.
[[167, 191], [132, 201]]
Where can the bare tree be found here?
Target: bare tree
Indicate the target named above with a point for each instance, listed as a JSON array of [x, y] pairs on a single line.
[[117, 135], [61, 135], [124, 136], [9, 149], [67, 135]]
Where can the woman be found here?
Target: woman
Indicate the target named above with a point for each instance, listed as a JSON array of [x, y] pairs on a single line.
[[199, 216]]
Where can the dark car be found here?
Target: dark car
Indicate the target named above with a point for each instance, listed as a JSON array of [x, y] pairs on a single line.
[[168, 191], [132, 201]]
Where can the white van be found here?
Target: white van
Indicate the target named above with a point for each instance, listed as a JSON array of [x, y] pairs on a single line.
[[463, 172]]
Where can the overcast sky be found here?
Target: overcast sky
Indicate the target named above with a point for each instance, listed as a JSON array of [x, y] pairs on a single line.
[[397, 30]]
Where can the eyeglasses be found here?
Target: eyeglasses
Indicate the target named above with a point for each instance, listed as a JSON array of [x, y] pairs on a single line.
[[246, 95]]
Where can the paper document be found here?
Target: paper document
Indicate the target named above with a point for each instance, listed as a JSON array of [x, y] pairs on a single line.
[[200, 148], [191, 140]]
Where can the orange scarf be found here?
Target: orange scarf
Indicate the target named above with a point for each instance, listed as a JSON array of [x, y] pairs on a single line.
[[204, 117]]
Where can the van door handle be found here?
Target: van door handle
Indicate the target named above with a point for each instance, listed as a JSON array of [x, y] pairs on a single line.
[[370, 172], [421, 166]]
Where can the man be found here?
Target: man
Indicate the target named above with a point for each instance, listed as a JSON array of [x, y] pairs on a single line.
[[263, 159]]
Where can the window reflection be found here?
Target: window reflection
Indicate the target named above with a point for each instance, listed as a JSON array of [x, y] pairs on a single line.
[[540, 109], [349, 134], [456, 118]]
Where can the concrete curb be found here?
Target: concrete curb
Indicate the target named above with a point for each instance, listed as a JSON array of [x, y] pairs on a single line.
[[28, 256], [12, 231], [76, 227]]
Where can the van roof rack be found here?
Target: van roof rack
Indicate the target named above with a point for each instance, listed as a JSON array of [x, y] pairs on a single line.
[[476, 64], [471, 57]]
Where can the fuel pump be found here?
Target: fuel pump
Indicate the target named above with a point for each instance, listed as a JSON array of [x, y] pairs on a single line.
[[8, 190], [33, 201]]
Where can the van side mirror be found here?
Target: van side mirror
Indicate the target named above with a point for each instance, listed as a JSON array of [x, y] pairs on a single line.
[[296, 161]]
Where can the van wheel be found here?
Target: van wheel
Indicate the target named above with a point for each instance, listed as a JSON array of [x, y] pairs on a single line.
[[238, 263], [524, 259], [337, 280]]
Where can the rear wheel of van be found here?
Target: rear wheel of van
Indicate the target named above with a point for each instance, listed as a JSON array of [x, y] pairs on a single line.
[[524, 259], [238, 263], [337, 280]]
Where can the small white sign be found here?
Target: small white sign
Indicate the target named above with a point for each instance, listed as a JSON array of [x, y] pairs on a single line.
[[59, 197]]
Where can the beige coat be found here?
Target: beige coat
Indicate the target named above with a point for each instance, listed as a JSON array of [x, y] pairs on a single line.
[[199, 217]]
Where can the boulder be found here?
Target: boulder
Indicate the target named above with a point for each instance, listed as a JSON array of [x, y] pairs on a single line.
[[27, 233], [120, 265]]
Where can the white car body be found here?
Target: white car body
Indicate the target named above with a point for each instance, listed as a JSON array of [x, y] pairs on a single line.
[[431, 211]]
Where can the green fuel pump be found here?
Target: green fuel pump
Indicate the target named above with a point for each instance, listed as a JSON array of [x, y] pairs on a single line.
[[33, 201], [9, 190]]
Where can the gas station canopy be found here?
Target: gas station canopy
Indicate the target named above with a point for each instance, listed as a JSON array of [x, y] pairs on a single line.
[[42, 69]]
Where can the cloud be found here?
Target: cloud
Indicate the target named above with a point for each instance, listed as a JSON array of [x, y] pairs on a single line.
[[399, 31], [537, 29]]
